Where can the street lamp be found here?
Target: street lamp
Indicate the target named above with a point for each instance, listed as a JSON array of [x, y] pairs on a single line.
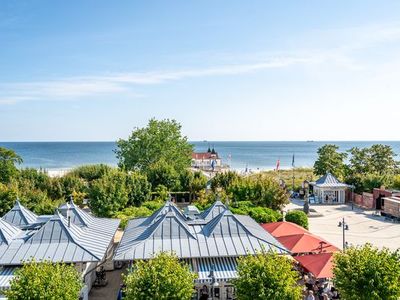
[[306, 207], [345, 227], [214, 283]]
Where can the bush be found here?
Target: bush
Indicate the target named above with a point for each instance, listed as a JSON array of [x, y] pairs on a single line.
[[109, 194], [258, 213], [139, 189], [45, 280], [164, 277], [132, 212], [266, 276], [90, 172], [153, 205], [261, 190], [298, 217]]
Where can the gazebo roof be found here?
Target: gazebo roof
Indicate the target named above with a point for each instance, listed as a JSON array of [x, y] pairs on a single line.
[[330, 181], [20, 216]]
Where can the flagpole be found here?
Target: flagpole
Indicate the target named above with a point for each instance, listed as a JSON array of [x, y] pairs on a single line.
[[293, 173]]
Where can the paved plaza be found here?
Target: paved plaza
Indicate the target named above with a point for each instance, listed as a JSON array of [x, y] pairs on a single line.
[[364, 225]]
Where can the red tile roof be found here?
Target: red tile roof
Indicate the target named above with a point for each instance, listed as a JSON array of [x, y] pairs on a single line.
[[204, 155]]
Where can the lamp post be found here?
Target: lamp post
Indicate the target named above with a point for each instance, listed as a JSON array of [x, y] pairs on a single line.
[[345, 227], [214, 283], [306, 207]]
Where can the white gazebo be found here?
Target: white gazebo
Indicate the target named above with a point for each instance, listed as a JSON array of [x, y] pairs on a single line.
[[329, 190]]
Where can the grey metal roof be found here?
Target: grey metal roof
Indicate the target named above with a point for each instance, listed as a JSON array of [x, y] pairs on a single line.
[[328, 180], [60, 240], [78, 216], [213, 211], [8, 232], [6, 275], [227, 235], [20, 216]]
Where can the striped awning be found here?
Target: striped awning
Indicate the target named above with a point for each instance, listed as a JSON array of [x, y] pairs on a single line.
[[224, 268], [6, 275]]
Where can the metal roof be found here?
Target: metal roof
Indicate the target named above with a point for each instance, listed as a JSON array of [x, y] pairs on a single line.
[[20, 216], [6, 275], [8, 232], [328, 180], [61, 240], [213, 211], [226, 235]]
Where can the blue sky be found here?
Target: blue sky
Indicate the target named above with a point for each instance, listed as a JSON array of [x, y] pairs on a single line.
[[227, 70]]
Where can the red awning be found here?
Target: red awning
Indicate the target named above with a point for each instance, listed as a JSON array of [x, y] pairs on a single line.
[[320, 265], [306, 243], [278, 229]]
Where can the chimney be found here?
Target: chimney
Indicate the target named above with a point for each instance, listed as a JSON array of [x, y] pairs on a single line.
[[69, 221]]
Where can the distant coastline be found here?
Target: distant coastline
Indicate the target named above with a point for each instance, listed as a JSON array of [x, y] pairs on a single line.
[[255, 156]]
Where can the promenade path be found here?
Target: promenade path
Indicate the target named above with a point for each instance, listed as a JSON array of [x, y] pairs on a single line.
[[364, 225]]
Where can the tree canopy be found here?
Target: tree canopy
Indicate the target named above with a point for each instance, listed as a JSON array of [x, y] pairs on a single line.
[[266, 276], [163, 277], [330, 160], [159, 140], [8, 161], [367, 273], [45, 281]]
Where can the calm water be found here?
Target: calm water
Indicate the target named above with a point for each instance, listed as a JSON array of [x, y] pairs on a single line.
[[262, 155]]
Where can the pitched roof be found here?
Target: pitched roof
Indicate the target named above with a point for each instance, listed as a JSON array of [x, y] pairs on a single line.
[[328, 180], [6, 275], [78, 216], [8, 232], [213, 211], [278, 229], [60, 240], [306, 243], [204, 155], [169, 206], [226, 235], [20, 216]]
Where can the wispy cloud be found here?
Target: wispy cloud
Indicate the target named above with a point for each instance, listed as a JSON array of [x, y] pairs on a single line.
[[339, 47], [84, 86]]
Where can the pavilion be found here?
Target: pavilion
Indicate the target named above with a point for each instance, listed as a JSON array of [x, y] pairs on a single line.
[[212, 242], [71, 235], [329, 190]]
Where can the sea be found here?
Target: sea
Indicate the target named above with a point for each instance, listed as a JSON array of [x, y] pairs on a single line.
[[239, 155]]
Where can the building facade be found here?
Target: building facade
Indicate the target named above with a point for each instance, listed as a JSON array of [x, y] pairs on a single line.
[[329, 190]]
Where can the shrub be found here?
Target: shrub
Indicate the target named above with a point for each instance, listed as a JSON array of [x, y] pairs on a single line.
[[298, 217], [90, 172], [132, 212], [45, 280], [164, 277], [266, 276]]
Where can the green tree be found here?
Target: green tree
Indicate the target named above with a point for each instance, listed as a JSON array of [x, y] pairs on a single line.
[[90, 172], [266, 276], [330, 160], [162, 277], [363, 273], [109, 194], [8, 160], [192, 182], [298, 217], [162, 173], [160, 140], [45, 281], [382, 159], [7, 198], [139, 189], [224, 180], [261, 190]]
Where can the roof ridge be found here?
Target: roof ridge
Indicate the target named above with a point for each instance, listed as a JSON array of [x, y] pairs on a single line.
[[8, 231]]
